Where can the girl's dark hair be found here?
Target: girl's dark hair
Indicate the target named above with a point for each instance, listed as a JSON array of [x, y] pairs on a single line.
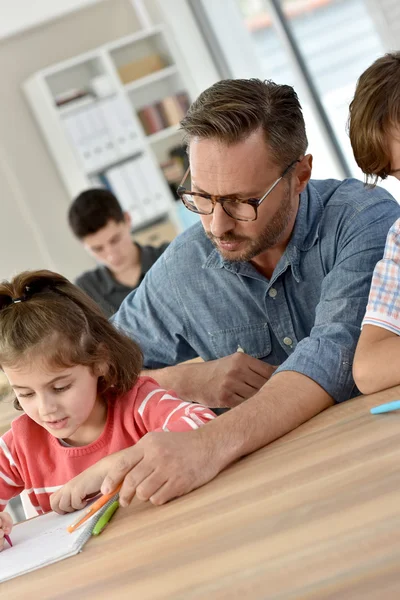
[[44, 315]]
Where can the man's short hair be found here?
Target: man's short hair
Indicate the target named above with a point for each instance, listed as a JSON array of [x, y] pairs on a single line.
[[92, 210], [373, 111], [232, 109]]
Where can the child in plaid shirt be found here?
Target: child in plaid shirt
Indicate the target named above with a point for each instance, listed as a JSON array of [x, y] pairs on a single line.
[[374, 127]]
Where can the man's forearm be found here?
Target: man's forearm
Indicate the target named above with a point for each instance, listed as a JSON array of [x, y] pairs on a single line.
[[184, 379], [286, 401]]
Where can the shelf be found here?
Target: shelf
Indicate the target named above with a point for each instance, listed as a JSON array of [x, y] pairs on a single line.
[[75, 133], [152, 78], [81, 104], [163, 134], [114, 163]]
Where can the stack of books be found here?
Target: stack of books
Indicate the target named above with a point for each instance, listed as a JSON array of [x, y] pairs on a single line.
[[167, 112]]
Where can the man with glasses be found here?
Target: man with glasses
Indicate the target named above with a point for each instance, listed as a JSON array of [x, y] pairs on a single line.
[[279, 268]]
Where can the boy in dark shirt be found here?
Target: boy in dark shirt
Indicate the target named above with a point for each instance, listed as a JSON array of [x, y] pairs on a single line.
[[98, 221]]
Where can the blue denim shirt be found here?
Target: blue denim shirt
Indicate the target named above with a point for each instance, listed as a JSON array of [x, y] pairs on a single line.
[[306, 318]]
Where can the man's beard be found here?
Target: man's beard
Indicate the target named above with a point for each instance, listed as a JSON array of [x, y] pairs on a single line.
[[268, 238]]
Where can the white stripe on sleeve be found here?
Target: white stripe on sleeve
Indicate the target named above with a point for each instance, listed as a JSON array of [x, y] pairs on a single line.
[[169, 397], [190, 422], [181, 405], [7, 453], [8, 481], [145, 401], [199, 422], [44, 490]]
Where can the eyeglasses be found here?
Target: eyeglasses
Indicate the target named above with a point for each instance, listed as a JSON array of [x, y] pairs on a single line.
[[240, 210]]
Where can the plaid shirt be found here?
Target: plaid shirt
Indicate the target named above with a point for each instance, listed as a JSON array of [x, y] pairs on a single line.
[[383, 307]]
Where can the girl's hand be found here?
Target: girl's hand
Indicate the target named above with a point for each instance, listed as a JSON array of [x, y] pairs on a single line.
[[74, 494], [6, 524]]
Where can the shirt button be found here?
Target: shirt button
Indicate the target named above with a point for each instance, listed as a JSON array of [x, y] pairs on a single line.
[[272, 293], [287, 341]]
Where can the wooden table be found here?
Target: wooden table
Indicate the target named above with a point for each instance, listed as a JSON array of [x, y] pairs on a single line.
[[314, 516]]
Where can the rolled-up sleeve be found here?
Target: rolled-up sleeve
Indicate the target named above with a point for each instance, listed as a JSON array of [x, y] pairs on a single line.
[[383, 308], [326, 355]]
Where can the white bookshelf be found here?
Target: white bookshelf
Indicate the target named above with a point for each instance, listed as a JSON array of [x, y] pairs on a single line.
[[106, 137]]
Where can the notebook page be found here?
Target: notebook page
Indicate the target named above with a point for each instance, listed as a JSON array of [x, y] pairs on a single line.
[[44, 540]]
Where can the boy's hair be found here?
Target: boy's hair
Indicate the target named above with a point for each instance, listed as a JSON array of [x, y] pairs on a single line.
[[55, 321], [232, 109], [374, 109], [92, 210]]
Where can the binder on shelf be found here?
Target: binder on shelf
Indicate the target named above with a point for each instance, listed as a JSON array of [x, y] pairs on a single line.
[[101, 142], [75, 128], [102, 133], [138, 188], [90, 138], [145, 187], [123, 190], [160, 203], [121, 124]]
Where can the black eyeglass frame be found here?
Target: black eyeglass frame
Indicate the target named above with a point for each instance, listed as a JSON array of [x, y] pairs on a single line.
[[254, 202]]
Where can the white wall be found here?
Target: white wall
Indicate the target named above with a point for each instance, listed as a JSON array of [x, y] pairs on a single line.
[[18, 15], [33, 200]]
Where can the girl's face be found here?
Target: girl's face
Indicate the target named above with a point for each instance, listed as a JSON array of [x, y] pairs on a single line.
[[394, 150], [65, 402]]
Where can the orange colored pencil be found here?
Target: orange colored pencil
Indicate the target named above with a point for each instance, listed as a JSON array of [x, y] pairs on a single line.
[[93, 509]]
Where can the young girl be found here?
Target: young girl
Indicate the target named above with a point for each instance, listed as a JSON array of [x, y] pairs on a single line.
[[374, 126], [77, 380]]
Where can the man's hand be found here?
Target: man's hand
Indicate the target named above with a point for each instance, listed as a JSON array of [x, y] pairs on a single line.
[[228, 381], [224, 382], [163, 466], [6, 524]]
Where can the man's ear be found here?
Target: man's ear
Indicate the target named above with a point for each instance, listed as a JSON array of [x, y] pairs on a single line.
[[303, 173], [127, 218]]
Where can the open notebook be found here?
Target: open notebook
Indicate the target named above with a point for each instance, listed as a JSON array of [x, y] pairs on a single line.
[[45, 540]]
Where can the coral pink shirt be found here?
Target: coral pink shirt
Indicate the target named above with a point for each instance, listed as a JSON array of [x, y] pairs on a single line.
[[34, 460]]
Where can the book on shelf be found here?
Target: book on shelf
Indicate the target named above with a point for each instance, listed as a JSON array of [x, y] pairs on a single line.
[[151, 119], [70, 96], [172, 110], [141, 67], [166, 113], [184, 101]]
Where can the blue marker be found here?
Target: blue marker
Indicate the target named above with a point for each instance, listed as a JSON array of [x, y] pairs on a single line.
[[385, 408]]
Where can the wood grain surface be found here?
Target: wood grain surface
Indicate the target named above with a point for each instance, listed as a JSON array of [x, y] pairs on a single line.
[[316, 515]]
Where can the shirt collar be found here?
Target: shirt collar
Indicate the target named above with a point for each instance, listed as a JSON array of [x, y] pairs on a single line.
[[110, 284], [146, 258], [305, 235]]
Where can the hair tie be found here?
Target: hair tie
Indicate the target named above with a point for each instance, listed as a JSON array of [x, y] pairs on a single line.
[[17, 300]]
